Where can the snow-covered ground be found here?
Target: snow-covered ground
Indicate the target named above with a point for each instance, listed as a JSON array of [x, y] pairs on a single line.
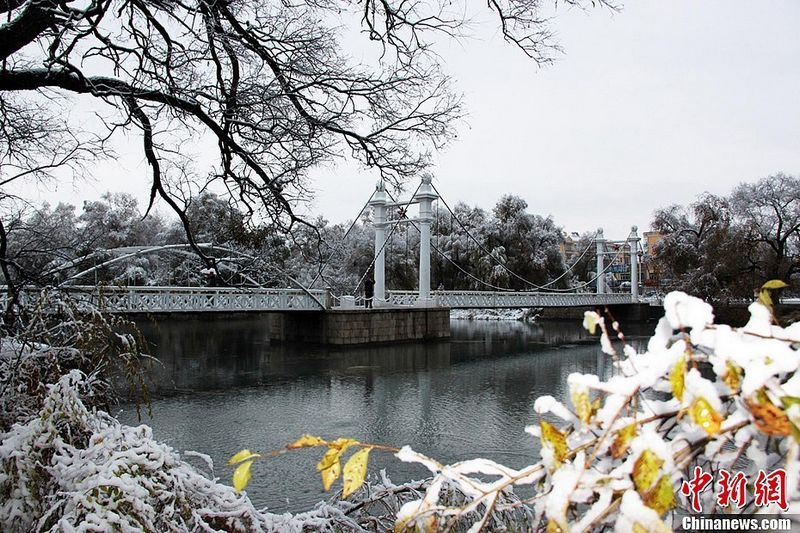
[[526, 314]]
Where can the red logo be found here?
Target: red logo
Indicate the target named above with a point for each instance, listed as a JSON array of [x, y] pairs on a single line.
[[767, 489], [693, 487], [732, 489], [771, 488]]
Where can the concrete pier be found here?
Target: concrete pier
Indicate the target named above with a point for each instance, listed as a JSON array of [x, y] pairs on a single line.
[[361, 326]]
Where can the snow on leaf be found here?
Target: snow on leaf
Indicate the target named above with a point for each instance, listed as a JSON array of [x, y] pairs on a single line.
[[355, 470], [306, 441], [408, 519], [704, 415], [241, 476], [623, 440], [677, 378], [580, 400], [733, 377], [590, 320], [548, 404], [554, 439], [645, 470]]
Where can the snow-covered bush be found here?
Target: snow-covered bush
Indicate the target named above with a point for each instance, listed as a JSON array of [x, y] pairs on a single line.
[[55, 334], [76, 469]]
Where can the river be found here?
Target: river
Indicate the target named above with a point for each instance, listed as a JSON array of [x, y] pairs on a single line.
[[222, 386]]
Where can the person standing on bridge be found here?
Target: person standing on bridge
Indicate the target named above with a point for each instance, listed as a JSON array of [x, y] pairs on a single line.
[[369, 291]]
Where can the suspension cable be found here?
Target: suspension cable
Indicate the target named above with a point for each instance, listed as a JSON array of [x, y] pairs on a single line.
[[388, 237], [502, 265], [506, 289], [341, 242], [470, 275]]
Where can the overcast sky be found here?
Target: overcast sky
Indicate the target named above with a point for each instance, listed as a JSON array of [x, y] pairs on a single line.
[[647, 107]]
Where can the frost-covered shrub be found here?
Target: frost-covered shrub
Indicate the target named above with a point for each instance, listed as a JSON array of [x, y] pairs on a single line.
[[75, 469], [53, 335]]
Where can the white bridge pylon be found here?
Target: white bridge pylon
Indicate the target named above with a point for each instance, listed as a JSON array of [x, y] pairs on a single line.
[[380, 204], [425, 195]]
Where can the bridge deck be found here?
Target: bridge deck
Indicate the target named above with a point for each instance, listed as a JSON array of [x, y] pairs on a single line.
[[226, 299], [495, 300], [196, 299]]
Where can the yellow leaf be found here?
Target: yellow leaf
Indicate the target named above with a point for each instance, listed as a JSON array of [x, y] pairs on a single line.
[[355, 470], [306, 441], [579, 394], [733, 377], [789, 401], [590, 319], [554, 527], [677, 378], [764, 298], [401, 525], [774, 284], [623, 440], [645, 471], [241, 476], [342, 443], [332, 469], [639, 528], [705, 416], [596, 406], [661, 498], [329, 466], [554, 439], [243, 455]]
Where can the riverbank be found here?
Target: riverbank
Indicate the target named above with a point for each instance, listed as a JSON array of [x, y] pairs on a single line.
[[630, 313]]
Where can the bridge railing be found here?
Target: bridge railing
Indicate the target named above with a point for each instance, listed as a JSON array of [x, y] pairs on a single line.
[[192, 299], [491, 299]]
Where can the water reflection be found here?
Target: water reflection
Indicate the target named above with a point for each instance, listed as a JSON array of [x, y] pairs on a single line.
[[467, 397]]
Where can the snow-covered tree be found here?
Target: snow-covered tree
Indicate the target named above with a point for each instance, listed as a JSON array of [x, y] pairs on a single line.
[[769, 214]]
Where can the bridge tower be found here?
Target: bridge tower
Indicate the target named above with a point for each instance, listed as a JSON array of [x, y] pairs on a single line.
[[378, 204], [601, 245], [633, 240], [425, 197]]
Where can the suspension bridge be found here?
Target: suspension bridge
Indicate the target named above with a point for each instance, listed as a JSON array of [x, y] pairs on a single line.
[[147, 299], [397, 312]]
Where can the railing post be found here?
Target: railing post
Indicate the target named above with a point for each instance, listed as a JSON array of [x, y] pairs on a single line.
[[633, 240], [600, 260], [378, 204], [328, 298], [425, 196]]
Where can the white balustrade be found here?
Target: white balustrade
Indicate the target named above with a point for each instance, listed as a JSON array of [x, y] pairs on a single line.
[[495, 300], [193, 299]]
